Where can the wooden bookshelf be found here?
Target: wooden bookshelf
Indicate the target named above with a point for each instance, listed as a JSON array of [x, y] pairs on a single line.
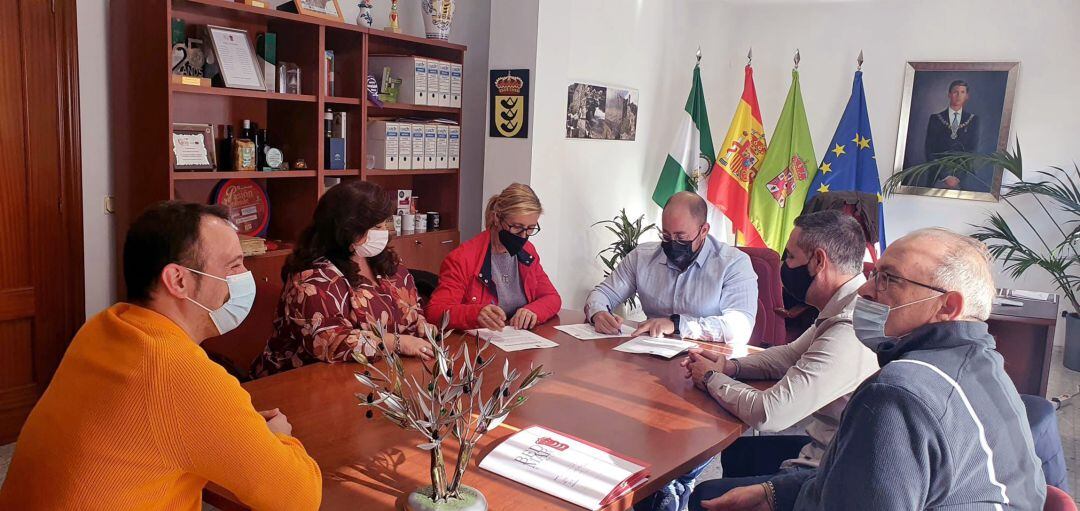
[[145, 104]]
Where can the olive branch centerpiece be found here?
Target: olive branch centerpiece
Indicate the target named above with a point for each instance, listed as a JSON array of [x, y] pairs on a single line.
[[446, 401]]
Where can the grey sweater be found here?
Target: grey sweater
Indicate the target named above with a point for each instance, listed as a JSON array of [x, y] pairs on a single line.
[[941, 426]]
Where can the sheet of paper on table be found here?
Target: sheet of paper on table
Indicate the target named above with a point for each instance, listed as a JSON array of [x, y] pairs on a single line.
[[586, 332], [658, 346], [512, 339]]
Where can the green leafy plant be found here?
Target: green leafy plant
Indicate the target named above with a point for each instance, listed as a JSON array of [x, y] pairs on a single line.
[[1057, 195], [446, 401], [627, 236]]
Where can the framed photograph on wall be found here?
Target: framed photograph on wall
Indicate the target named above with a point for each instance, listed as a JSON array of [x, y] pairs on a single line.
[[193, 147], [955, 106], [601, 112]]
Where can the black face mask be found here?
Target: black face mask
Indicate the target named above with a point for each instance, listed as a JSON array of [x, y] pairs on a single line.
[[679, 254], [797, 280], [512, 242]]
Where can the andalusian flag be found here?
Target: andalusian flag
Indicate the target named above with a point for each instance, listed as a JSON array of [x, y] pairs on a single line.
[[779, 191], [739, 161], [691, 153]]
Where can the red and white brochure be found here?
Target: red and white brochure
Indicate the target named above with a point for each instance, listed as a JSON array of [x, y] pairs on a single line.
[[569, 468]]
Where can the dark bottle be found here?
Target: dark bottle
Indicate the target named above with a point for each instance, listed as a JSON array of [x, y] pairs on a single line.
[[245, 130], [257, 138], [225, 150], [260, 146]]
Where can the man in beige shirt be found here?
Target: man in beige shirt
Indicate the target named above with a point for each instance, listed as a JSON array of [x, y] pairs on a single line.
[[816, 373]]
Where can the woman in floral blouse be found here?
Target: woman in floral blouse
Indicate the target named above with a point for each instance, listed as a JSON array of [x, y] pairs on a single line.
[[340, 280]]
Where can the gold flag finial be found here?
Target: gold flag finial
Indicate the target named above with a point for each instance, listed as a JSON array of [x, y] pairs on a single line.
[[798, 57]]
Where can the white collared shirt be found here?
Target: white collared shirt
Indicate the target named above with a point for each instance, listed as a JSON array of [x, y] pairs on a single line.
[[959, 115]]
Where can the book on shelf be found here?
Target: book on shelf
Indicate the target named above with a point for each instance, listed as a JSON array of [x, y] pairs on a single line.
[[579, 472]]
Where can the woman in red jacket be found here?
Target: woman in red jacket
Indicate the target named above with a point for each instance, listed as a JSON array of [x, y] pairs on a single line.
[[495, 279]]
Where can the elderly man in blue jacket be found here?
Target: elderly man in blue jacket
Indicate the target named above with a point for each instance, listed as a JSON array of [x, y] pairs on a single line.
[[940, 426]]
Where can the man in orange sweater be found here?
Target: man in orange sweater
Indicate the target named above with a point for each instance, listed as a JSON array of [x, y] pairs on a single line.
[[137, 416]]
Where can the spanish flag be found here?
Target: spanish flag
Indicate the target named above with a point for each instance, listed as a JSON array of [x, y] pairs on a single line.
[[738, 163]]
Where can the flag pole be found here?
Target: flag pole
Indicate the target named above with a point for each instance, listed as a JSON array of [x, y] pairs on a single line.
[[798, 57], [698, 54], [749, 55], [860, 61]]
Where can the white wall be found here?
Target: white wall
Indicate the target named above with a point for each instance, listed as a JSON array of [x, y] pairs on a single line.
[[512, 46], [651, 47], [97, 179], [470, 28]]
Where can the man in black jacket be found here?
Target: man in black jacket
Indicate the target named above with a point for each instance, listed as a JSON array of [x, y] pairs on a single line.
[[952, 129], [941, 425]]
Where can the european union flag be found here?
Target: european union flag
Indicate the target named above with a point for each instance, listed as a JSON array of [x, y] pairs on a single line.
[[849, 163]]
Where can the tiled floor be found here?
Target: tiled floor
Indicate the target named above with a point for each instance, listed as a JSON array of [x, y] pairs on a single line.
[[1062, 381]]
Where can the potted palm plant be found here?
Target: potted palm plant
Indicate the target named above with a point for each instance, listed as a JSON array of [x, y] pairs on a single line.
[[1056, 195], [445, 403], [627, 236]]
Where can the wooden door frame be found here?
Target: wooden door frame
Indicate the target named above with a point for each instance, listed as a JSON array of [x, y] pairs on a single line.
[[71, 205]]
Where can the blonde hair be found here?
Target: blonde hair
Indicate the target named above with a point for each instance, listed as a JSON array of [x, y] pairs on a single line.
[[516, 199]]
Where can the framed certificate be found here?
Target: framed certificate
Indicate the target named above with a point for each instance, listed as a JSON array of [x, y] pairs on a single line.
[[193, 147], [236, 58]]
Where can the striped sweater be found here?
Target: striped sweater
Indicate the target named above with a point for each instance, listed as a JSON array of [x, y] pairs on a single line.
[[137, 417], [941, 426]]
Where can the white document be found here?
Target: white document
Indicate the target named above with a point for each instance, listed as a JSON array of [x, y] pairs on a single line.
[[563, 467], [658, 346], [586, 332], [512, 339]]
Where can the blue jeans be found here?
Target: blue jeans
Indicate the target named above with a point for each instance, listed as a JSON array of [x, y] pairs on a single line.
[[748, 461], [675, 496]]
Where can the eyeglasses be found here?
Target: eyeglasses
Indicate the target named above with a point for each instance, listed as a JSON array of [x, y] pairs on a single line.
[[518, 229], [681, 238], [882, 279]]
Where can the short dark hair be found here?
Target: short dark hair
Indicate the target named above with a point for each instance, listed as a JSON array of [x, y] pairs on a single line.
[[166, 232], [839, 234], [343, 214], [958, 83], [695, 204]]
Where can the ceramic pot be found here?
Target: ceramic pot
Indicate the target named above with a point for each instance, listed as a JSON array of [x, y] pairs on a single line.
[[469, 499], [437, 17]]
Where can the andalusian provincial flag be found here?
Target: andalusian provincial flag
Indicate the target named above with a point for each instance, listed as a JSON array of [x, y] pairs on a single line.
[[737, 163], [778, 192], [849, 164], [691, 153]]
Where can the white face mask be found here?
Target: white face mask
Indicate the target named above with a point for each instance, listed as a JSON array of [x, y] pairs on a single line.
[[241, 297], [374, 244], [869, 319]]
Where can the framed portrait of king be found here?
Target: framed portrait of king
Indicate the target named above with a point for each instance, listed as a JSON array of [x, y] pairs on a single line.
[[949, 107]]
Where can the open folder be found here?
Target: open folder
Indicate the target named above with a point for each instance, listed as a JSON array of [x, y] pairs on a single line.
[[569, 468]]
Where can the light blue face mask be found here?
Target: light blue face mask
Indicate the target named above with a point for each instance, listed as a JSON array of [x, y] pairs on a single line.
[[241, 297], [869, 319]]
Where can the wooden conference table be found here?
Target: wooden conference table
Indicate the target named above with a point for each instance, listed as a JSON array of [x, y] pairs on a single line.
[[638, 405]]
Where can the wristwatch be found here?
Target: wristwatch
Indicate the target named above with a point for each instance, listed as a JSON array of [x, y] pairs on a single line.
[[675, 319], [708, 376]]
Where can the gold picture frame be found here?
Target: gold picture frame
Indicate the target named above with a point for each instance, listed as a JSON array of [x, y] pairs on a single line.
[[985, 125], [312, 8]]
